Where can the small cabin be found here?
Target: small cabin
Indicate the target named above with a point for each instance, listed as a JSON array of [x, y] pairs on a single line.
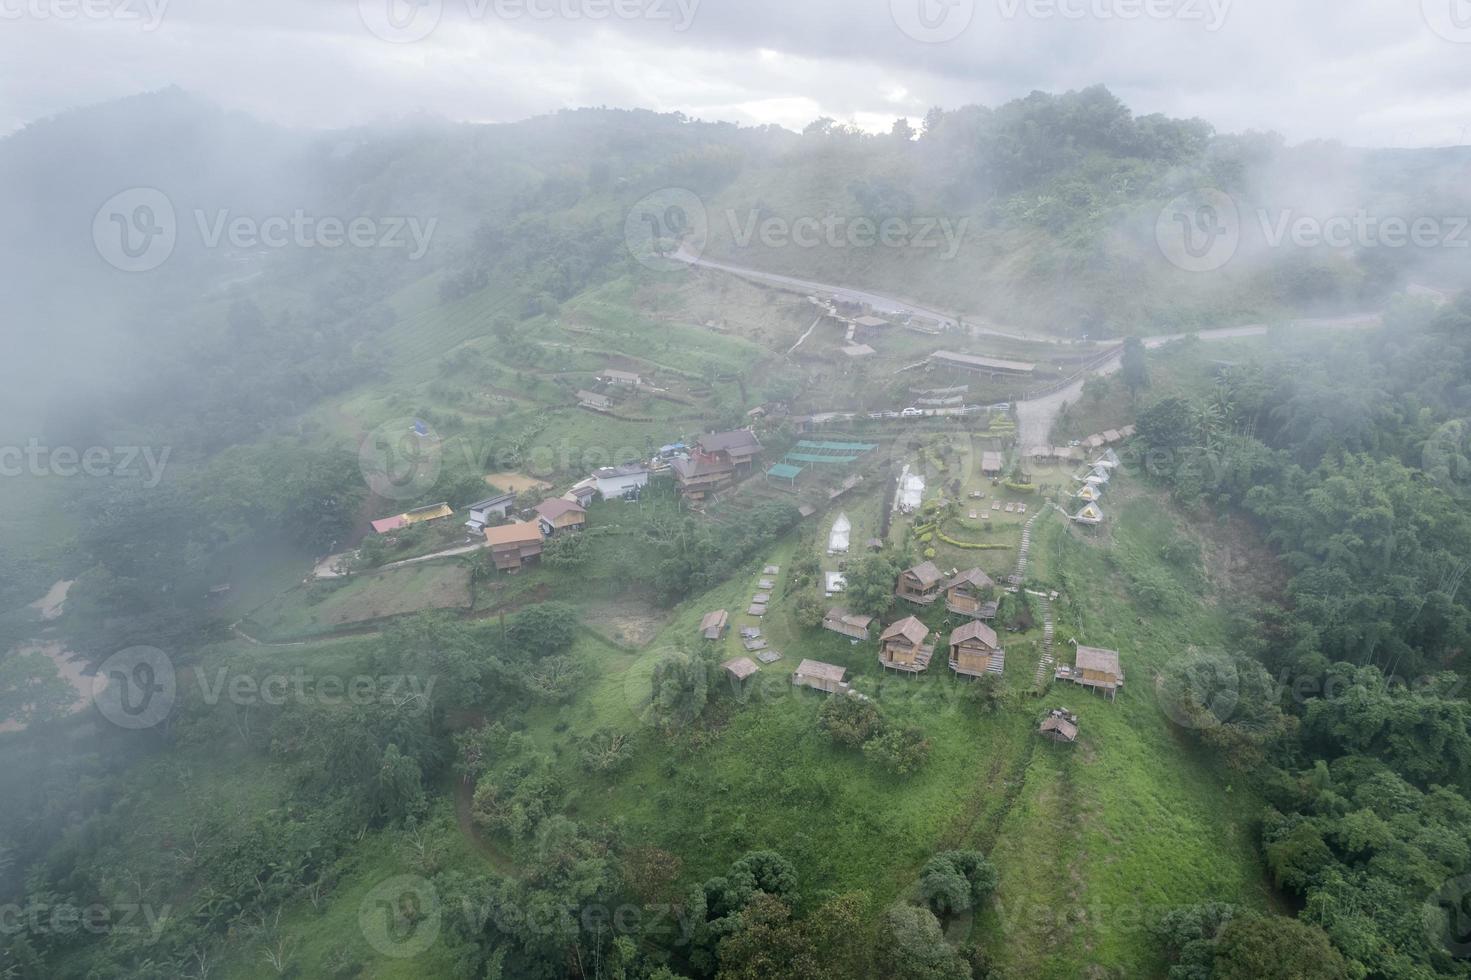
[[819, 676], [971, 593], [557, 515], [483, 512], [975, 650], [992, 463], [851, 625], [905, 646], [1096, 668], [1059, 725], [739, 669], [920, 584], [714, 625], [513, 546], [1091, 493]]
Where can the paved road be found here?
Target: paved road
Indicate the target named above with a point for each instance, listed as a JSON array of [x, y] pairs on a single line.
[[1035, 418], [880, 302]]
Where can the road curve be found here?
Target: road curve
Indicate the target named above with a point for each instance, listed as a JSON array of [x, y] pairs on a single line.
[[1035, 417], [879, 301]]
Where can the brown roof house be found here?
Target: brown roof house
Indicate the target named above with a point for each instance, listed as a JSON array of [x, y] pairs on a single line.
[[739, 669], [851, 625], [975, 651], [904, 646], [514, 545], [1096, 668], [920, 584], [992, 463], [820, 676], [1060, 725], [557, 515], [740, 447], [714, 625], [715, 462], [971, 593]]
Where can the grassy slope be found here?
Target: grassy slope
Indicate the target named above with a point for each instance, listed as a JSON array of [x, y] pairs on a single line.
[[1084, 836]]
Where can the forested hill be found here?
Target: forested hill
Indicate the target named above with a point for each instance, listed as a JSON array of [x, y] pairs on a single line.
[[1042, 213]]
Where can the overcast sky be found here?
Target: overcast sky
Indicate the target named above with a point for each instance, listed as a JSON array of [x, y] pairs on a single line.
[[1368, 72]]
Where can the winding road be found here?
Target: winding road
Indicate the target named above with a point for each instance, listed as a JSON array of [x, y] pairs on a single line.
[[1035, 417]]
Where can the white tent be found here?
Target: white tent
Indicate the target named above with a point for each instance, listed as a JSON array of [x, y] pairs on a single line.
[[837, 541], [911, 491]]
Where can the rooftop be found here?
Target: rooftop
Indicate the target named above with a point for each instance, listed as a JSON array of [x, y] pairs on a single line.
[[909, 628], [975, 630], [555, 507], [1096, 658], [524, 533], [987, 363], [820, 670]]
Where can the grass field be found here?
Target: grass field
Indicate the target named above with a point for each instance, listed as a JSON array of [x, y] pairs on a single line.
[[322, 607], [1090, 839]]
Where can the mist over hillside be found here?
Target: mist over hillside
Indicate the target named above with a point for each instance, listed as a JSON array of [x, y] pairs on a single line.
[[1041, 213], [613, 545]]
